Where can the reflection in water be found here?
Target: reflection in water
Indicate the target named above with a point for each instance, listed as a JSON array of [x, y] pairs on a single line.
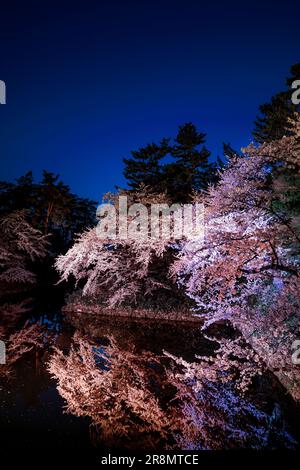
[[139, 385], [142, 400]]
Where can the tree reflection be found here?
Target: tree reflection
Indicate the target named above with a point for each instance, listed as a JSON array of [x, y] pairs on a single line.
[[143, 400]]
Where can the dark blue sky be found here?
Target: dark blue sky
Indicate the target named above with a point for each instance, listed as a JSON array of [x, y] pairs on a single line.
[[87, 81]]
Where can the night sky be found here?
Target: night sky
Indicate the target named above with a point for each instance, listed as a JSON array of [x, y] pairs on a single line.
[[88, 81]]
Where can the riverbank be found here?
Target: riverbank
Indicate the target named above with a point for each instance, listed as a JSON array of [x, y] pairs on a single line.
[[133, 314]]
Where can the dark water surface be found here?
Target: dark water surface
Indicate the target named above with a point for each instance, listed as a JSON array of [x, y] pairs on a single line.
[[31, 409]]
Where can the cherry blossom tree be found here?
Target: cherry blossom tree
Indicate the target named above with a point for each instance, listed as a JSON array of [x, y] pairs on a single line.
[[248, 244], [247, 269], [117, 271], [20, 243]]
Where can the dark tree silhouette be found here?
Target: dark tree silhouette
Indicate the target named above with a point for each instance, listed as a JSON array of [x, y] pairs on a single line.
[[273, 121], [50, 207], [144, 166], [176, 168]]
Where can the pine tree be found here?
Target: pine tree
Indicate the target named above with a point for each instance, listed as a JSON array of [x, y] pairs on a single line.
[[144, 166], [191, 169], [273, 122], [229, 152]]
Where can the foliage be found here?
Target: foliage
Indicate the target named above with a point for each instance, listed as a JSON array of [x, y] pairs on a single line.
[[273, 121], [122, 270], [247, 269], [190, 169], [50, 207], [249, 258], [247, 242], [20, 244]]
